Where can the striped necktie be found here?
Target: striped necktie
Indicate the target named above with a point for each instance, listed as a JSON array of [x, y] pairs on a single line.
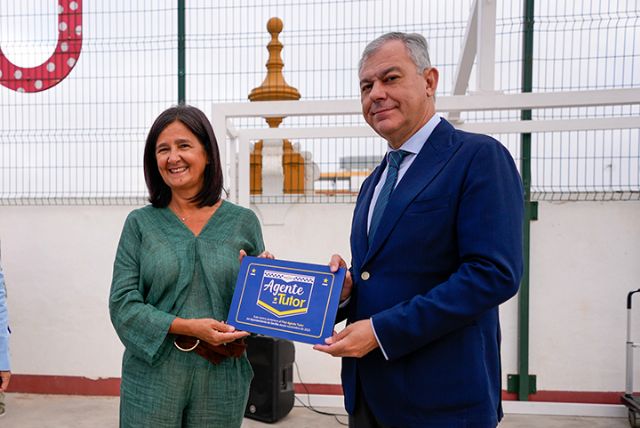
[[394, 159]]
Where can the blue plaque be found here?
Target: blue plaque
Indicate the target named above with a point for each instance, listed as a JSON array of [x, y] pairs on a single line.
[[290, 300]]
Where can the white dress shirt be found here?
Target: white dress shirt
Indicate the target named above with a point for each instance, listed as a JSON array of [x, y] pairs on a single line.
[[413, 145]]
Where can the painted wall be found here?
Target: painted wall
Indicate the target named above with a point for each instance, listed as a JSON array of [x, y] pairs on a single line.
[[585, 258]]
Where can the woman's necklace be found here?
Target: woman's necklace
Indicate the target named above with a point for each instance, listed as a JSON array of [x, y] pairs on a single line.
[[182, 217], [195, 213]]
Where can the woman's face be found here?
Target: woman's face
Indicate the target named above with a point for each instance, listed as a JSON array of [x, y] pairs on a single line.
[[181, 158]]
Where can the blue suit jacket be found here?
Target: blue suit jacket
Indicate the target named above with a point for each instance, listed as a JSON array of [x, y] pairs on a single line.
[[447, 252]]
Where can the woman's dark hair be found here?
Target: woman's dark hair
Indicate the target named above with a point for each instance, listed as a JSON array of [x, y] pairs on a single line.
[[196, 121]]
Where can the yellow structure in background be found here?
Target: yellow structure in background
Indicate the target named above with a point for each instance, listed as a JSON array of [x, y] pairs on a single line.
[[275, 88]]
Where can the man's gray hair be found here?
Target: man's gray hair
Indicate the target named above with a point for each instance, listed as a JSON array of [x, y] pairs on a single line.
[[416, 45]]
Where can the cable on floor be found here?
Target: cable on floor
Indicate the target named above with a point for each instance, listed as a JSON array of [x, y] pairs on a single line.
[[309, 406]]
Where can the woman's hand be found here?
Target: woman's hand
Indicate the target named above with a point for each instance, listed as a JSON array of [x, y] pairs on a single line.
[[4, 380], [216, 332], [211, 331], [264, 255]]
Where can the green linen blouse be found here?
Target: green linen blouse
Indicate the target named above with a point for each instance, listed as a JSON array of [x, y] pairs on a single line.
[[155, 264]]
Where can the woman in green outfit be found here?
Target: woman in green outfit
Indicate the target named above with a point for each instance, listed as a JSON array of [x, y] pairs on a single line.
[[173, 280]]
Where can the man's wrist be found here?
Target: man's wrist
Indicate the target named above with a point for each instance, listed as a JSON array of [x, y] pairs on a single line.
[[373, 327], [344, 302]]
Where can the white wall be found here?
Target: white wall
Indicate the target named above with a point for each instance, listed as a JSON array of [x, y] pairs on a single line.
[[585, 258], [57, 262]]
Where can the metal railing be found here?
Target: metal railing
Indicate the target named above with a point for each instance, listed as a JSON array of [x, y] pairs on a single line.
[[238, 146]]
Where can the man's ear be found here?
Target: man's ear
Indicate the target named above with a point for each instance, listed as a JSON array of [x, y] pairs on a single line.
[[431, 76]]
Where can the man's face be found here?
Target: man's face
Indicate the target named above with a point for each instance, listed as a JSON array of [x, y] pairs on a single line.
[[396, 100]]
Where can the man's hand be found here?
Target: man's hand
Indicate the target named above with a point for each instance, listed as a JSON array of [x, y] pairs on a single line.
[[337, 262], [4, 381], [356, 340]]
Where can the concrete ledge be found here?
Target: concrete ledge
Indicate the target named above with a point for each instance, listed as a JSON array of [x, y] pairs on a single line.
[[564, 409], [510, 407]]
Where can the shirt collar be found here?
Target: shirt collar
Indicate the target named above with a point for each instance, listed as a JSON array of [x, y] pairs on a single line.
[[416, 141]]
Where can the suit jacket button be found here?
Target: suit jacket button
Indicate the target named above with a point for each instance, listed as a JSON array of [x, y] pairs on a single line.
[[365, 275]]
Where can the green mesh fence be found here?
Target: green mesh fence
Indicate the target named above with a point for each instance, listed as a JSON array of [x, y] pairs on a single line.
[[92, 76]]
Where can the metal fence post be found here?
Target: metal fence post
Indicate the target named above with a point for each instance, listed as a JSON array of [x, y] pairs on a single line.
[[181, 53], [524, 386]]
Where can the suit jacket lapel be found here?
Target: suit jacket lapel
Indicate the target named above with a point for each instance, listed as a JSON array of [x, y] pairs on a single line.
[[435, 153], [361, 214]]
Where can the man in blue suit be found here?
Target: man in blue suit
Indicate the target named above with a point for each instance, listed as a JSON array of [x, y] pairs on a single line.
[[436, 246]]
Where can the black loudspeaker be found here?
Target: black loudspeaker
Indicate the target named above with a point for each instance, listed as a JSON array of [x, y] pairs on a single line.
[[271, 394]]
